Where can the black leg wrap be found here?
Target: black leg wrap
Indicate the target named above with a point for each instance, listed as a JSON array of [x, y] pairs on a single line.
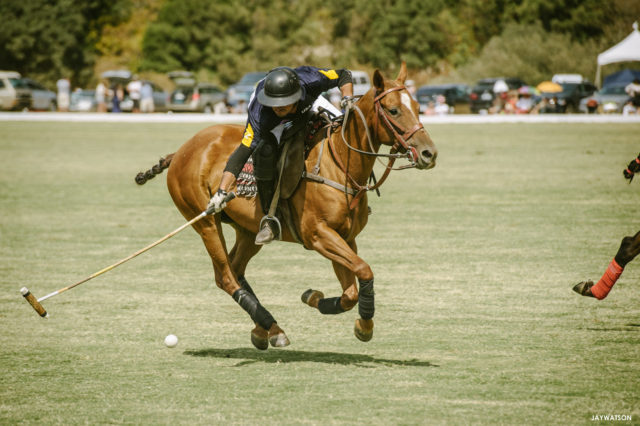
[[243, 282], [330, 306], [256, 311], [366, 303]]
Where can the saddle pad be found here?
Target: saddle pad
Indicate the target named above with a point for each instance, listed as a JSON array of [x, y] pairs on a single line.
[[246, 185]]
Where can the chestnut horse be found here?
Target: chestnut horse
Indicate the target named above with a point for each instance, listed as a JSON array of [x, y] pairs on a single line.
[[327, 218]]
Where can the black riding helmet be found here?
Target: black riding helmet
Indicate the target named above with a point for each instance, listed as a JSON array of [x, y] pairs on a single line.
[[281, 88]]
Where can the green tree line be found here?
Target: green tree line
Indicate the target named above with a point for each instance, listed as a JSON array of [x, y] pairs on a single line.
[[461, 39]]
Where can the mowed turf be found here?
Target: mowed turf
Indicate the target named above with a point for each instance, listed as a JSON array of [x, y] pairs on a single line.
[[474, 261]]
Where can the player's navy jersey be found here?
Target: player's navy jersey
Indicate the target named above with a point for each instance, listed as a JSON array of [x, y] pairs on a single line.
[[314, 81]]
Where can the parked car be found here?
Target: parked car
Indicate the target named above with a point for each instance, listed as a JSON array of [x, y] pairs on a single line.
[[14, 94], [482, 95], [42, 99], [242, 90], [609, 99], [192, 96], [456, 96], [571, 95], [83, 101]]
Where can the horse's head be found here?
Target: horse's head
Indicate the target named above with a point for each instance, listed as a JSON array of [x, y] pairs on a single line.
[[397, 120]]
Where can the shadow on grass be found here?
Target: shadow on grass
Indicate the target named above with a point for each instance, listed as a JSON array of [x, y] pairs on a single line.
[[631, 327], [251, 356]]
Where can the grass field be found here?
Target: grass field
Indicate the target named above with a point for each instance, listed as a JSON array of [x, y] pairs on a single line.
[[476, 322]]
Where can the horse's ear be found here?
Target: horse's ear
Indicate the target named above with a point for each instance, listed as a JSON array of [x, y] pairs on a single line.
[[402, 75], [378, 80]]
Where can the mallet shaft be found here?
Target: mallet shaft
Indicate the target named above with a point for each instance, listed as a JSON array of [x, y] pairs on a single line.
[[126, 259], [36, 302]]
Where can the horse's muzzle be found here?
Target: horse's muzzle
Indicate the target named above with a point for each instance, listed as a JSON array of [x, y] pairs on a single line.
[[426, 159]]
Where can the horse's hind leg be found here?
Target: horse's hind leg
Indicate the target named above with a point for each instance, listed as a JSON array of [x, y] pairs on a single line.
[[210, 230], [240, 255]]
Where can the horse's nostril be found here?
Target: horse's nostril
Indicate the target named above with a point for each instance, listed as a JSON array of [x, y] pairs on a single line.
[[427, 154]]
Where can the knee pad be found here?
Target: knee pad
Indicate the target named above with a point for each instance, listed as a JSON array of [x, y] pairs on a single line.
[[264, 161]]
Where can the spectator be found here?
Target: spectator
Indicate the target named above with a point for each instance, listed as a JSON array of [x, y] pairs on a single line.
[[64, 98], [441, 106], [134, 88], [510, 102], [221, 107], [628, 108], [547, 106], [146, 98], [500, 90], [524, 105], [101, 97], [592, 106], [633, 90], [117, 97], [430, 108], [240, 107]]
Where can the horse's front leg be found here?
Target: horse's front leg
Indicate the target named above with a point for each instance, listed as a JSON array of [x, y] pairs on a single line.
[[347, 266]]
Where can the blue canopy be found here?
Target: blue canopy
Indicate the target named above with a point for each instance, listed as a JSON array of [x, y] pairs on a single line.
[[621, 78]]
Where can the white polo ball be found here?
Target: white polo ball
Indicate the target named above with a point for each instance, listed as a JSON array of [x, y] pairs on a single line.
[[171, 341]]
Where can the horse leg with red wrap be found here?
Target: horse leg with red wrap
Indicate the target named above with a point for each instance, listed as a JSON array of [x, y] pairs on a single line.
[[629, 249]]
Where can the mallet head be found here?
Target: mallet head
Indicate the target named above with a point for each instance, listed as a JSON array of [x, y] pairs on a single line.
[[34, 302]]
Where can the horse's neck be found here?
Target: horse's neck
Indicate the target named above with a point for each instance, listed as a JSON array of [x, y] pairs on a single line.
[[358, 165]]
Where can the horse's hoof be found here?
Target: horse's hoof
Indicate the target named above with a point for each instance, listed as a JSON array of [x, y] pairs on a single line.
[[363, 329], [260, 338], [312, 297], [584, 288], [277, 338]]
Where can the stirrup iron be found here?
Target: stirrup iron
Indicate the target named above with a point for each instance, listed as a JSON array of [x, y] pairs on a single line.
[[277, 221]]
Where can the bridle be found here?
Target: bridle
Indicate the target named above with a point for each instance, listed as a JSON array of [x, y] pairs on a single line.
[[398, 132], [401, 141], [391, 124]]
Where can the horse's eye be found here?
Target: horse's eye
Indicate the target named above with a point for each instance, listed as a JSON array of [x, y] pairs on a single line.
[[393, 111]]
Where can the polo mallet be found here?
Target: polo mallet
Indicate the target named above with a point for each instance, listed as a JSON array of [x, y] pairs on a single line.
[[36, 303]]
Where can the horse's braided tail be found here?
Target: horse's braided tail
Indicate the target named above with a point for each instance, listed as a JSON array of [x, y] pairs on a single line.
[[143, 177]]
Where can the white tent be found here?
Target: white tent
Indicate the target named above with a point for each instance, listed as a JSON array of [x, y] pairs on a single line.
[[628, 50]]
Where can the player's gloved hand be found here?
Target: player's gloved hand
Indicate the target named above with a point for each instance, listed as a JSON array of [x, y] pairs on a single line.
[[217, 202], [346, 103]]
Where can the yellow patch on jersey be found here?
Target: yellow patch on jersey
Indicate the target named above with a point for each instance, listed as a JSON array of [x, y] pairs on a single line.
[[248, 136], [331, 74]]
